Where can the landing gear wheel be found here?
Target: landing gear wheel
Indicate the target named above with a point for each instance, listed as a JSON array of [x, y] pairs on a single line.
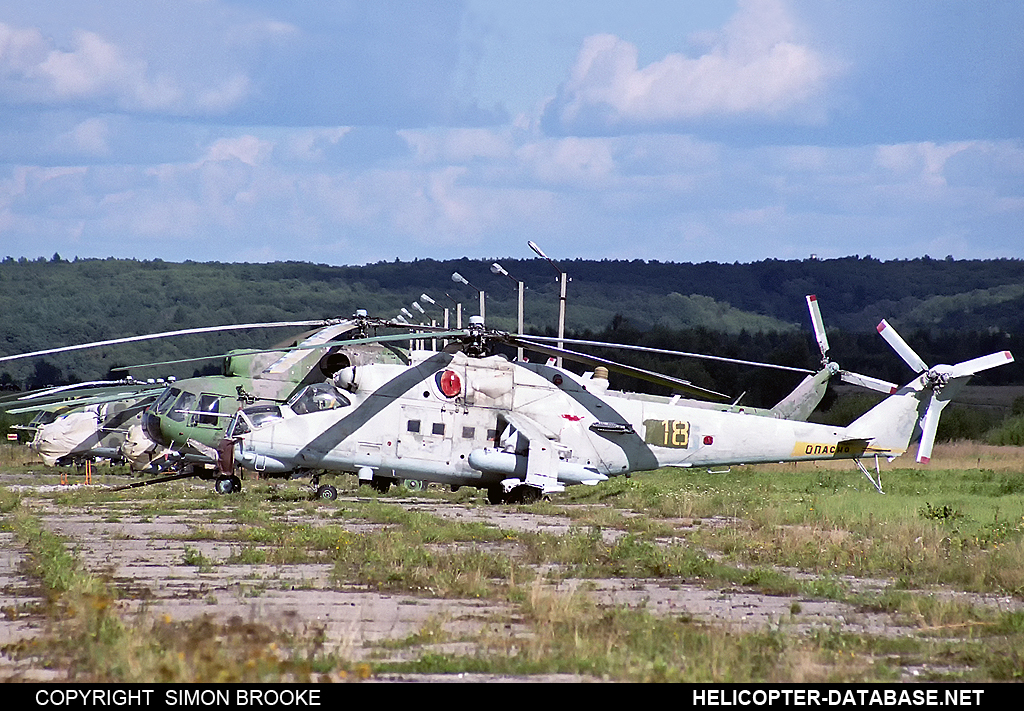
[[326, 492], [414, 485], [495, 495], [228, 485], [524, 494]]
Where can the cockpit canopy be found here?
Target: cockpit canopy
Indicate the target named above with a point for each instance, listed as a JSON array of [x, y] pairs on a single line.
[[317, 397], [253, 417], [312, 398]]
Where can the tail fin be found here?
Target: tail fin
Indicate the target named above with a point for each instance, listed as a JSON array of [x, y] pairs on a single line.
[[800, 403], [889, 425]]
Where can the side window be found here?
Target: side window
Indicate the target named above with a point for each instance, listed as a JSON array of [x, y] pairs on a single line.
[[210, 405], [413, 426], [438, 428]]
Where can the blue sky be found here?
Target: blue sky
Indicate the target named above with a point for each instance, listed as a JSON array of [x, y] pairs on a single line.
[[348, 132]]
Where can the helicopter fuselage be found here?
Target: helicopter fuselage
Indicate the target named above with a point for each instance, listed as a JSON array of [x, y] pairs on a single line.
[[481, 422]]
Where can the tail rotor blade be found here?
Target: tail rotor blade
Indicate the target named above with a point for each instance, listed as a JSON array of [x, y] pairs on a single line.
[[818, 324], [970, 367], [929, 425], [901, 347]]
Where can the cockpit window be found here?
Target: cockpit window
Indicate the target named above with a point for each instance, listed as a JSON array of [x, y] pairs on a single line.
[[252, 417], [259, 415], [44, 417], [184, 403], [317, 397], [165, 400], [238, 427]]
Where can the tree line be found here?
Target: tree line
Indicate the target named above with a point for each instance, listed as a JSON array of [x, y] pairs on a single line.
[[949, 310]]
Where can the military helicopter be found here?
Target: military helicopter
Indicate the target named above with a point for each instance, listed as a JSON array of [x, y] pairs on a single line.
[[525, 430], [187, 417], [85, 421], [322, 396]]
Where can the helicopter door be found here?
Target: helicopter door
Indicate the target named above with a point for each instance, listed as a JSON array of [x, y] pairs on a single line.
[[427, 433]]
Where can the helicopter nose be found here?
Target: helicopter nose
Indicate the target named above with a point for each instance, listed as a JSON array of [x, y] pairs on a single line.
[[151, 426]]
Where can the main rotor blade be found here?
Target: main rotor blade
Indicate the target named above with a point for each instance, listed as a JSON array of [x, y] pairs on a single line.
[[900, 346], [642, 374], [329, 344], [976, 365], [866, 381], [45, 398], [646, 349], [818, 324], [65, 388], [166, 334], [86, 401]]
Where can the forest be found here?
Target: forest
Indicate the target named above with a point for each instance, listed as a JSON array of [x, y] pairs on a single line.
[[949, 310]]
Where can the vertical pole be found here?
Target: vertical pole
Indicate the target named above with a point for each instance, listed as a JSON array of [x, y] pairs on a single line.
[[520, 349], [482, 307], [458, 316], [561, 318]]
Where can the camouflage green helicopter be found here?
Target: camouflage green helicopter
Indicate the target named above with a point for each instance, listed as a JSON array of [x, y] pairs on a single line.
[[191, 415], [185, 420]]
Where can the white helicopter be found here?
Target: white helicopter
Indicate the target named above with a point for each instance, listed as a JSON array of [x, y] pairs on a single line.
[[524, 430]]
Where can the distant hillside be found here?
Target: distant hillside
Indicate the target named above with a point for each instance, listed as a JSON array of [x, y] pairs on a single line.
[[47, 303]]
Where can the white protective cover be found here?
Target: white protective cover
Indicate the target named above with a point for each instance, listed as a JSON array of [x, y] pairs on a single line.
[[139, 449], [76, 431]]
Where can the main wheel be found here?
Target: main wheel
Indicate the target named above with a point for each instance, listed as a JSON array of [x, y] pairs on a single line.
[[524, 494], [224, 485], [495, 495], [414, 485], [326, 492]]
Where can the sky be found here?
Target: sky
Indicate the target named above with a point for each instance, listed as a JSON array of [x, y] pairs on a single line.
[[348, 132]]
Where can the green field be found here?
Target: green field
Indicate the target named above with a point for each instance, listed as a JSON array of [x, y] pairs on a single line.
[[923, 583]]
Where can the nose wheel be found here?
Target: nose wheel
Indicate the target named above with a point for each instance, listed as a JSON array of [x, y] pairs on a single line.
[[322, 491], [228, 485], [326, 492]]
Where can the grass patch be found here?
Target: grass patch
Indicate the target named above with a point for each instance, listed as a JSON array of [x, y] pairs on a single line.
[[786, 530]]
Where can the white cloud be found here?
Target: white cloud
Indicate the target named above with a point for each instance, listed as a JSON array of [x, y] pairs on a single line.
[[570, 161], [247, 149], [926, 160], [756, 66], [311, 145], [459, 145], [89, 138], [94, 70]]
